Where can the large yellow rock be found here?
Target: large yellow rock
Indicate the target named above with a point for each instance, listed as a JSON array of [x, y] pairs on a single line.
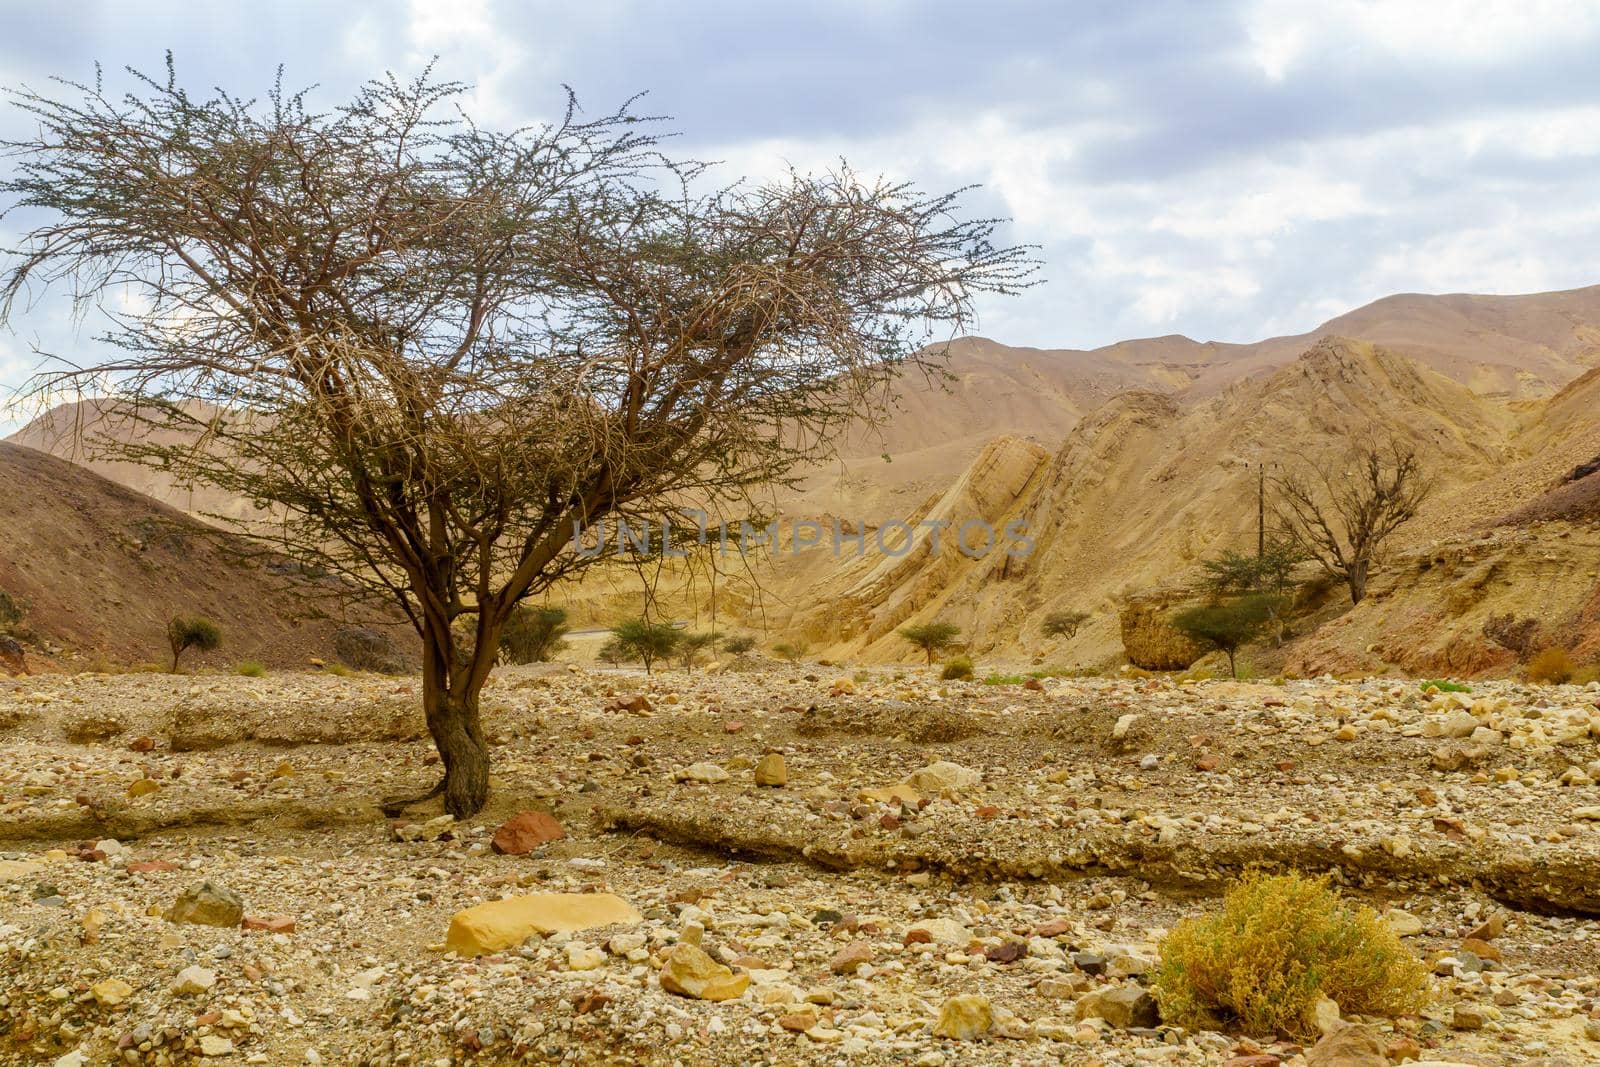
[[689, 972], [503, 924], [964, 1018], [17, 870]]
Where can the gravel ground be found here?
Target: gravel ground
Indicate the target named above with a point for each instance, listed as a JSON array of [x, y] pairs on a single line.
[[1058, 834]]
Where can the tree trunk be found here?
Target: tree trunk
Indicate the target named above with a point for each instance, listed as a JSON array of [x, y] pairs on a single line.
[[458, 735], [1233, 672], [1357, 580]]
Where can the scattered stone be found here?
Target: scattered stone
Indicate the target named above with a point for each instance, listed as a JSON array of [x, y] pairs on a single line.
[[207, 904], [964, 1018], [1348, 1046], [708, 773], [503, 924], [852, 956], [1124, 1007], [1403, 923], [689, 972], [111, 992], [772, 770], [193, 980], [143, 788], [944, 779], [526, 831]]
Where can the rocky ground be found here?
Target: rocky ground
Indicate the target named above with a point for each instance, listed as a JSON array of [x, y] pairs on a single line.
[[934, 873]]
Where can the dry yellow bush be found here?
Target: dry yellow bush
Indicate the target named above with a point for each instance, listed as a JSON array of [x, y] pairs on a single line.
[[1278, 944], [1550, 667]]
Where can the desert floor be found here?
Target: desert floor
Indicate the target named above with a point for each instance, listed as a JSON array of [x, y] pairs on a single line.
[[1082, 820]]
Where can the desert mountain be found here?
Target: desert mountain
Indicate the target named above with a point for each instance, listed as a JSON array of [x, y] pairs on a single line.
[[1130, 463], [102, 568]]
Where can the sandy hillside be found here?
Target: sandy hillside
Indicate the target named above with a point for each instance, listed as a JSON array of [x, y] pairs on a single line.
[[101, 569]]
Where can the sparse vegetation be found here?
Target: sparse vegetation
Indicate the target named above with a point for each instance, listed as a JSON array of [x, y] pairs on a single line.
[[646, 641], [1228, 625], [613, 652], [1443, 685], [1278, 944], [1342, 513], [793, 651], [534, 635], [1063, 623], [186, 632], [931, 637], [692, 649], [12, 611], [739, 645], [250, 668], [1551, 667], [957, 669], [1005, 679]]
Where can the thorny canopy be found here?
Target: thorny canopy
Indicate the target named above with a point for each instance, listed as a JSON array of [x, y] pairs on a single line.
[[430, 348]]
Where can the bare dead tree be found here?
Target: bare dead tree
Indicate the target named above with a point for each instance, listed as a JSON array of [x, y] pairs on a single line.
[[1341, 514], [433, 350]]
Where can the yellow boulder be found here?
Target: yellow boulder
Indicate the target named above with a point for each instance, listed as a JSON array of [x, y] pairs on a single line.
[[689, 972], [503, 924]]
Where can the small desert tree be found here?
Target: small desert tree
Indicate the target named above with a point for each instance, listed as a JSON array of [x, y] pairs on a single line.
[[739, 645], [692, 648], [432, 350], [931, 637], [647, 641], [1341, 514], [184, 633], [1228, 625], [613, 652], [534, 635], [1063, 623], [790, 650]]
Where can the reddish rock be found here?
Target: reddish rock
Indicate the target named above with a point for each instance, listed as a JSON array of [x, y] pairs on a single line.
[[988, 811], [1263, 1059], [141, 744], [272, 924], [918, 936], [525, 832], [847, 959], [1055, 928], [1208, 762], [151, 867], [733, 727], [889, 822], [1034, 684], [206, 1018], [1006, 952]]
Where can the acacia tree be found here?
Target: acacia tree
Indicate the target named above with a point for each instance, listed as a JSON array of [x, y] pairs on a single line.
[[931, 637], [1341, 515], [432, 350]]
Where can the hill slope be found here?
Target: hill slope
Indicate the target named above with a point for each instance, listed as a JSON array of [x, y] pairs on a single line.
[[102, 568]]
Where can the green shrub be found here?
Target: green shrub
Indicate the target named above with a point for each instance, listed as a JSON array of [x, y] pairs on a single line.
[[648, 641], [693, 647], [738, 644], [251, 668], [791, 651], [534, 635], [613, 653], [1007, 679], [1278, 945], [931, 637], [1063, 623], [1228, 625], [1444, 685], [1551, 667], [957, 669], [184, 633]]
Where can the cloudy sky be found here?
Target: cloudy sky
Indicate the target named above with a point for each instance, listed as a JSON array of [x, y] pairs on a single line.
[[1223, 170]]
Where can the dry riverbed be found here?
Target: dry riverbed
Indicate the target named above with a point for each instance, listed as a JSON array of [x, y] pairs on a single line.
[[1024, 849]]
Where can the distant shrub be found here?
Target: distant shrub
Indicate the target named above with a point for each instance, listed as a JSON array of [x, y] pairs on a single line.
[[790, 650], [12, 609], [251, 668], [614, 653], [338, 670], [1551, 667], [1586, 675], [692, 648], [957, 669], [1443, 685], [1278, 945], [647, 641], [367, 648], [1520, 636], [1063, 623], [1006, 679], [534, 635], [931, 637], [184, 633], [1228, 625], [738, 644]]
